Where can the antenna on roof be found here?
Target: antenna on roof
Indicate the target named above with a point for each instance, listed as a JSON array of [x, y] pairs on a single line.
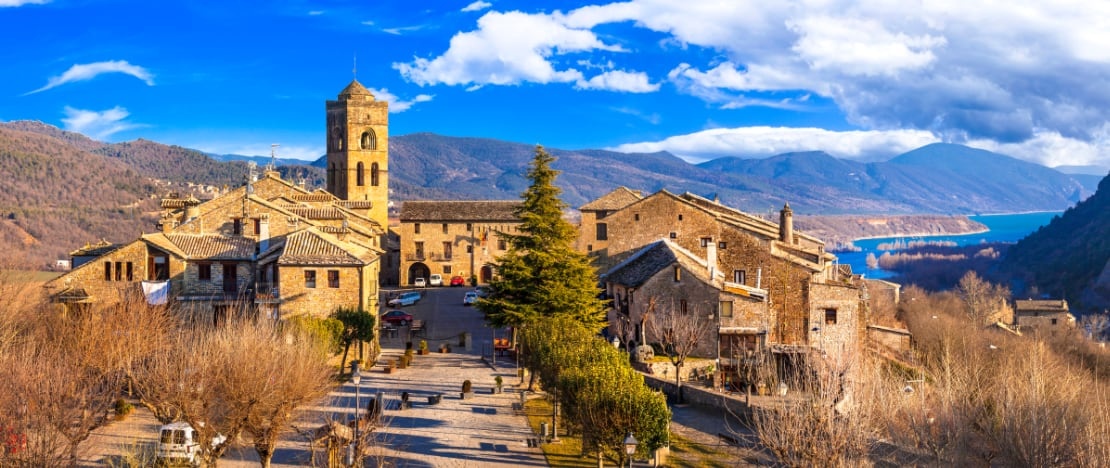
[[252, 171], [273, 157]]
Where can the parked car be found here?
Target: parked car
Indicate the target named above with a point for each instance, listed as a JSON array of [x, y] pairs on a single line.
[[406, 298], [397, 317], [470, 298], [483, 291], [177, 444], [458, 281], [435, 280], [419, 282]]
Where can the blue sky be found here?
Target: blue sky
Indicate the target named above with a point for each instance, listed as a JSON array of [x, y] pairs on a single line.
[[864, 80]]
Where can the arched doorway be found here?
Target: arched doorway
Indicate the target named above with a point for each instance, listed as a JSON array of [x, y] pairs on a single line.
[[418, 270], [486, 275]]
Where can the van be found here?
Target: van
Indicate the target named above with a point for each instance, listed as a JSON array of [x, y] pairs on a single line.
[[435, 280], [407, 298], [177, 444]]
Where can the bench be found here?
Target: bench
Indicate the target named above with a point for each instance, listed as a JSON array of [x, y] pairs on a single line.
[[417, 328]]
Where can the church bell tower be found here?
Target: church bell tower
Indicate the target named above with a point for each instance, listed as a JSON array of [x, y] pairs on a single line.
[[358, 149]]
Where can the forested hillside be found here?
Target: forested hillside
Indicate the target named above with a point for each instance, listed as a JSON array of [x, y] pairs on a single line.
[[1069, 255]]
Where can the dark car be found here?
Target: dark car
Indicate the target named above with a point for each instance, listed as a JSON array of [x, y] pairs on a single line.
[[458, 281], [397, 317]]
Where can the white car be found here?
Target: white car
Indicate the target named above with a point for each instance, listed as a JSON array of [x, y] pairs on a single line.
[[407, 298], [470, 298], [419, 282], [435, 280]]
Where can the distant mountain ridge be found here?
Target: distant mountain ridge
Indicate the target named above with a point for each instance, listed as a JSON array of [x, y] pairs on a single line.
[[116, 179]]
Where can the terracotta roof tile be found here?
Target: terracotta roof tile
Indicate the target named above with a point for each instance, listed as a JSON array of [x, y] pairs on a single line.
[[460, 210], [329, 212]]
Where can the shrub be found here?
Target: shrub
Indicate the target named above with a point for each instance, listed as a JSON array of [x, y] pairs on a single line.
[[423, 345], [498, 380], [466, 387], [123, 408], [327, 332]]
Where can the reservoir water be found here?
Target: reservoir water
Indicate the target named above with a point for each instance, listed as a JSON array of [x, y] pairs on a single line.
[[1003, 228]]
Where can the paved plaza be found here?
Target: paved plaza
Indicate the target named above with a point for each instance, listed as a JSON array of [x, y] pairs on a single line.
[[483, 431]]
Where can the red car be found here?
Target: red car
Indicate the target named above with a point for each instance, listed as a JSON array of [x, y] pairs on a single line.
[[458, 281], [397, 317]]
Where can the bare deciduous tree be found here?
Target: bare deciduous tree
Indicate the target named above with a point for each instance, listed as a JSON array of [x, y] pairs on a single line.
[[681, 333], [984, 302]]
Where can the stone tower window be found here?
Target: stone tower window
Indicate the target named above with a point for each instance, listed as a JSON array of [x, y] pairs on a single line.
[[360, 175], [374, 174], [369, 140]]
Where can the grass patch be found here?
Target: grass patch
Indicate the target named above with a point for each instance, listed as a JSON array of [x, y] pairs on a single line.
[[686, 453], [28, 276], [566, 453]]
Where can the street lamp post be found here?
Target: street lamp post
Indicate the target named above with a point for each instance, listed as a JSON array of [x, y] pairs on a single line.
[[356, 446], [630, 447]]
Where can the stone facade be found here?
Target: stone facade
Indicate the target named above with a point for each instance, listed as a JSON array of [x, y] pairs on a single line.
[[787, 279], [454, 238], [1043, 315], [248, 250]]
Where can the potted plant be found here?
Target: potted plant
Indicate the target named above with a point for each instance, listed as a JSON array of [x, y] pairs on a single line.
[[498, 381], [390, 366], [404, 361], [423, 347], [467, 390]]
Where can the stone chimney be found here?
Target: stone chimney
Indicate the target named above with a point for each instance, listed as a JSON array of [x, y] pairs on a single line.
[[786, 224], [263, 232], [711, 257]]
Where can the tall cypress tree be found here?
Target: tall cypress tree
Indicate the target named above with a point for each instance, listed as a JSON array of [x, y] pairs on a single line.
[[541, 275]]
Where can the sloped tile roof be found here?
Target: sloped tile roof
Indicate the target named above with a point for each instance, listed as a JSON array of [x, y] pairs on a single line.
[[95, 250], [615, 200], [314, 196], [355, 89], [213, 246], [460, 210], [653, 258], [356, 204], [309, 247], [321, 213], [1041, 305]]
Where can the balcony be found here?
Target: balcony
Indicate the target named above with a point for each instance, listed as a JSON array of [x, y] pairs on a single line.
[[267, 293]]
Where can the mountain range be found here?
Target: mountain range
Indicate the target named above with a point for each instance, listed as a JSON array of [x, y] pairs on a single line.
[[80, 182]]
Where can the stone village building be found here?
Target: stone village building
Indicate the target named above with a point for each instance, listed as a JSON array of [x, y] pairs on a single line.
[[1045, 316], [770, 289], [454, 238], [269, 247]]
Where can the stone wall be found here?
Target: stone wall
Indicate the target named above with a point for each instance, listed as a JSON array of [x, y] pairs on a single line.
[[836, 319], [321, 300], [482, 240]]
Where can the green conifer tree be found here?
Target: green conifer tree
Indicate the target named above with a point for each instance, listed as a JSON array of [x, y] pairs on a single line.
[[541, 275]]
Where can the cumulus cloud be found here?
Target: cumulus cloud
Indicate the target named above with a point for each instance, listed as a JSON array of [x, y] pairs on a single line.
[[761, 142], [397, 104], [17, 3], [477, 6], [97, 125], [965, 71], [507, 49], [618, 80], [88, 71]]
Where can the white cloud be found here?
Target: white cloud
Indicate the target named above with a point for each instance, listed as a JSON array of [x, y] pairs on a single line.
[[855, 46], [507, 49], [97, 125], [477, 6], [760, 142], [653, 118], [88, 71], [396, 104], [17, 3], [315, 12], [618, 80], [1051, 149], [965, 71], [400, 30]]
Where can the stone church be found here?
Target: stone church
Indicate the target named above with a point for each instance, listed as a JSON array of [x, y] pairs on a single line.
[[270, 247]]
